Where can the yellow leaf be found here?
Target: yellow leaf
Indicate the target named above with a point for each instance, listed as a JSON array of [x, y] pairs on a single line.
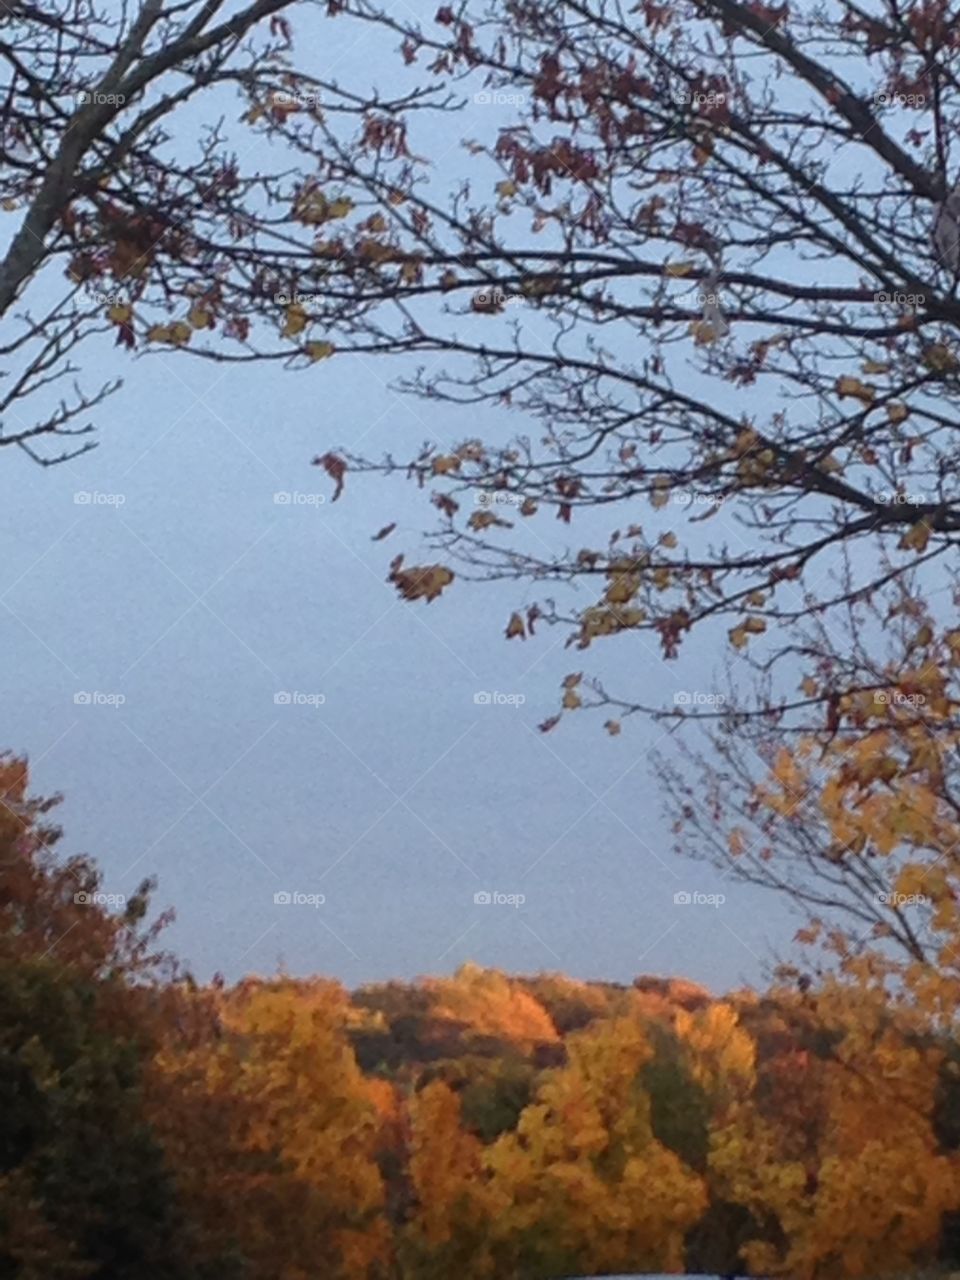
[[319, 350], [809, 686], [897, 412], [738, 637], [515, 627], [874, 366], [120, 313], [199, 317], [445, 464], [940, 359], [295, 322], [506, 189], [571, 700], [158, 333], [677, 269], [668, 540], [916, 538], [847, 386]]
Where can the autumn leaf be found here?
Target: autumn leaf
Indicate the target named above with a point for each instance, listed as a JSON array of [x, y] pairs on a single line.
[[198, 317], [862, 391], [295, 321], [384, 532], [336, 469], [445, 464], [897, 412], [319, 350], [421, 582], [515, 627], [916, 538], [612, 727], [940, 359]]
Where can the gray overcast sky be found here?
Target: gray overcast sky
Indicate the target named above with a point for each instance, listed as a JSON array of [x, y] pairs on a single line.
[[200, 598]]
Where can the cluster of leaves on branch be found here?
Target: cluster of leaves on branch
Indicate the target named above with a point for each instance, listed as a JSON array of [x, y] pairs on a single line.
[[479, 1124], [706, 256], [144, 202]]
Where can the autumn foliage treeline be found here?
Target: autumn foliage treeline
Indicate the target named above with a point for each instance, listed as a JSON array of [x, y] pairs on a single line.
[[476, 1126]]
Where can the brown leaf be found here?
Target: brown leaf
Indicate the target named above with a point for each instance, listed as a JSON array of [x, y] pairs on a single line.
[[335, 468], [421, 582], [385, 532]]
